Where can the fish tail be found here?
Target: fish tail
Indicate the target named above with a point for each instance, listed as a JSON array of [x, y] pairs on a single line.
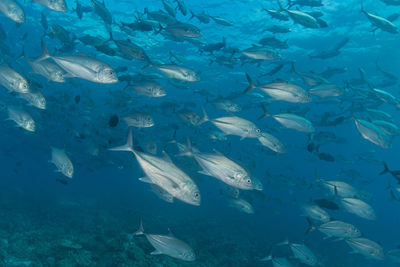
[[45, 53], [188, 152], [128, 145], [265, 112], [385, 169], [292, 69], [284, 242], [205, 116], [140, 231], [311, 226], [193, 15], [280, 5], [251, 84]]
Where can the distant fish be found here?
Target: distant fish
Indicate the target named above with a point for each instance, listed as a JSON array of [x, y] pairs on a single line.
[[139, 120], [336, 229], [35, 98], [168, 245], [148, 88], [302, 253], [62, 162], [301, 18], [291, 121], [12, 10], [21, 118], [395, 174], [366, 247], [101, 10], [233, 125], [56, 5], [241, 205], [177, 72], [380, 23], [359, 208], [273, 143], [315, 213], [373, 133], [281, 90], [261, 53]]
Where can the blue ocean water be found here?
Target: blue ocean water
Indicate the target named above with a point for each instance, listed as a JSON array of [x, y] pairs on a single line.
[[89, 219]]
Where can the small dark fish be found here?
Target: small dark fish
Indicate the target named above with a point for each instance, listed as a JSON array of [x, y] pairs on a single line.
[[62, 181], [113, 121], [325, 157], [327, 204], [395, 174], [77, 99], [43, 20]]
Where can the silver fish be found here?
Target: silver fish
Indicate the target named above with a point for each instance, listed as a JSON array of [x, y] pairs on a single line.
[[359, 208], [273, 143], [35, 98], [222, 168], [315, 213], [139, 120], [282, 91], [261, 53], [49, 70], [21, 118], [56, 5], [233, 125], [12, 10], [302, 253], [163, 173], [241, 205], [373, 133], [148, 88], [83, 67], [291, 121], [168, 245], [339, 229], [177, 72], [62, 162], [366, 247], [13, 81]]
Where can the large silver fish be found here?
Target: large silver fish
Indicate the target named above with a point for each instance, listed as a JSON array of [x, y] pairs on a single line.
[[373, 133], [359, 208], [12, 10], [222, 168], [12, 80], [177, 72], [233, 125], [48, 69], [282, 90], [83, 67], [164, 173], [168, 245]]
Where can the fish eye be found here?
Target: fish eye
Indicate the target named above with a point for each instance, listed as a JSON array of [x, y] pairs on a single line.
[[258, 130], [196, 194], [248, 181]]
